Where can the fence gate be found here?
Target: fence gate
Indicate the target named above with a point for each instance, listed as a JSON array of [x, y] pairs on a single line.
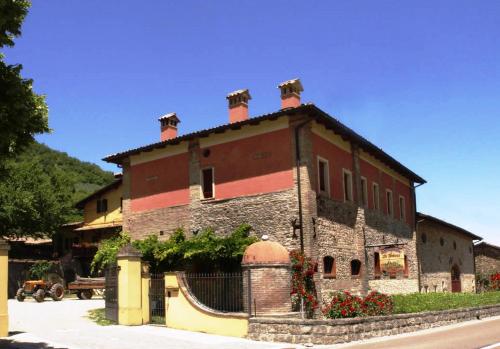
[[157, 299], [111, 293]]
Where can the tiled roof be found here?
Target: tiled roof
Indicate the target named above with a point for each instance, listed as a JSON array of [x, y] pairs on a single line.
[[310, 109], [422, 216]]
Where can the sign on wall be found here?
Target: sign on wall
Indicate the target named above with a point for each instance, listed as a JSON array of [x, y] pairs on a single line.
[[392, 260]]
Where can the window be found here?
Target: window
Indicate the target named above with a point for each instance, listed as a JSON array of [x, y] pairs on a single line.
[[323, 177], [424, 238], [389, 202], [364, 191], [347, 185], [441, 241], [454, 245], [355, 267], [376, 263], [402, 209], [376, 196], [329, 267], [121, 205], [102, 205], [207, 183], [406, 267]]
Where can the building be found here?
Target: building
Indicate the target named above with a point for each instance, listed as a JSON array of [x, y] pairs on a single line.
[[297, 174], [446, 256], [487, 257], [76, 243]]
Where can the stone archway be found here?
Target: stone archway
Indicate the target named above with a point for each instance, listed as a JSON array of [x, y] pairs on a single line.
[[456, 285]]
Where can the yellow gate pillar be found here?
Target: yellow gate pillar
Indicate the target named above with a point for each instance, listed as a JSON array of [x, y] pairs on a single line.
[[4, 280], [129, 286]]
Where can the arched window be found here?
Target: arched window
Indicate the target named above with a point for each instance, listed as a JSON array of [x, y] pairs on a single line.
[[376, 264], [355, 267], [329, 269]]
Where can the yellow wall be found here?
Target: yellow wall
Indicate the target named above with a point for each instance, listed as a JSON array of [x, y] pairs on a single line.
[[112, 215], [129, 291], [183, 313], [4, 317]]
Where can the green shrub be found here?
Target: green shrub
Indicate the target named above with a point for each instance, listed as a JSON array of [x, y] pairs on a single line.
[[40, 270]]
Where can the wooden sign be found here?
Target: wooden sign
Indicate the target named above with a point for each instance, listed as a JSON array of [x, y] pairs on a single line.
[[392, 260]]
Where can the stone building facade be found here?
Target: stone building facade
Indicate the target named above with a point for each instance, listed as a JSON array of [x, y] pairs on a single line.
[[446, 256], [487, 257], [297, 175]]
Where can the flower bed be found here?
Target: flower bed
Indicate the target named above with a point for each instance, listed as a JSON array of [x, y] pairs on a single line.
[[346, 305]]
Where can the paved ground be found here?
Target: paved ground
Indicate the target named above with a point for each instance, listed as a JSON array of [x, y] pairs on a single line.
[[63, 325]]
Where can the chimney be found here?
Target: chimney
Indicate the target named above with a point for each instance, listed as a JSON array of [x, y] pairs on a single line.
[[238, 105], [168, 126], [290, 93]]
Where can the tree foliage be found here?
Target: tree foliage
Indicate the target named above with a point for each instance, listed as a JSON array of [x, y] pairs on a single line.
[[205, 251], [23, 113]]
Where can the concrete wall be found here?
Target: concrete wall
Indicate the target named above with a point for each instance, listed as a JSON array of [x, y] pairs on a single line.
[[113, 215], [4, 275], [436, 260], [185, 313]]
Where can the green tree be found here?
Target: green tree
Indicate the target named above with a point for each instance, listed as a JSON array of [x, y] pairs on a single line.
[[33, 202], [23, 113]]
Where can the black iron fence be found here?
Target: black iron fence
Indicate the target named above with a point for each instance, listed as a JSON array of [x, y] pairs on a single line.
[[111, 293], [219, 291], [157, 299]]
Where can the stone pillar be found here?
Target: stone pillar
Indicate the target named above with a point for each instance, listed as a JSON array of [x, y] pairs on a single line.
[[4, 269], [146, 279], [129, 286]]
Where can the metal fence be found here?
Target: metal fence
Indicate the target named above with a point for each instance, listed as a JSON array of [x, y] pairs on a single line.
[[219, 291], [157, 299], [111, 293]]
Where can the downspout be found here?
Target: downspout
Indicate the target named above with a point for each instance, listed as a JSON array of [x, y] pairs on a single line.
[[416, 235], [299, 186]]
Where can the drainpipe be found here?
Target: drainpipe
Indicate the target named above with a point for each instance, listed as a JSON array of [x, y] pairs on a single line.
[[299, 186], [416, 235]]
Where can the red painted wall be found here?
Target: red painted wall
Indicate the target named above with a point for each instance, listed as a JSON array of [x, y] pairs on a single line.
[[160, 183], [337, 160], [253, 165]]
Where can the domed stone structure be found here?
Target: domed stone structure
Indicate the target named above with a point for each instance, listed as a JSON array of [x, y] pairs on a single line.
[[266, 278]]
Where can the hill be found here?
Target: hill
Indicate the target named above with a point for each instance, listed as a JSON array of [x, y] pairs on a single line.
[[84, 177]]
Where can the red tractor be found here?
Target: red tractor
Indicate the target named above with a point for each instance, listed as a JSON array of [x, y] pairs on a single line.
[[39, 289]]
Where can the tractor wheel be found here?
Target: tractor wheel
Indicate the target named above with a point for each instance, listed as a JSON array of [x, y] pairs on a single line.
[[20, 295], [39, 295], [57, 292], [79, 294], [87, 294]]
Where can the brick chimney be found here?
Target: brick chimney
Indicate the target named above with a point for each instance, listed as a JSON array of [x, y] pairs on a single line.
[[168, 126], [238, 105], [290, 93]]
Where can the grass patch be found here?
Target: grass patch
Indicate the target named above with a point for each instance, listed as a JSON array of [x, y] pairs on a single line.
[[418, 302], [99, 317]]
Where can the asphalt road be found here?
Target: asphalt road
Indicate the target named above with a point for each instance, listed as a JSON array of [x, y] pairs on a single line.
[[468, 335]]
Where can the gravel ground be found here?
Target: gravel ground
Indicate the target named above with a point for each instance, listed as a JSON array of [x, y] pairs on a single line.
[[64, 325]]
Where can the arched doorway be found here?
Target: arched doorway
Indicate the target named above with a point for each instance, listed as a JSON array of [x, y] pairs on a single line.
[[456, 286]]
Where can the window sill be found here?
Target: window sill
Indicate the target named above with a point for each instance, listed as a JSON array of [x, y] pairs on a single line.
[[356, 277], [329, 276], [207, 199]]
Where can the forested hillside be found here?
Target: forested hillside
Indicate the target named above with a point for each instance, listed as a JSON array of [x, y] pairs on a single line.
[[39, 188]]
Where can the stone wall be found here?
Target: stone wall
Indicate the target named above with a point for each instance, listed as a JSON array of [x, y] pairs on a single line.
[[345, 232], [436, 259], [347, 330], [487, 258]]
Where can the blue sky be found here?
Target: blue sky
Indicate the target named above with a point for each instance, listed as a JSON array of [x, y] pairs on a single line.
[[422, 81]]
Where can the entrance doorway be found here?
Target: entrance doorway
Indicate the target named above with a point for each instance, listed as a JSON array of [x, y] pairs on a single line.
[[456, 286]]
